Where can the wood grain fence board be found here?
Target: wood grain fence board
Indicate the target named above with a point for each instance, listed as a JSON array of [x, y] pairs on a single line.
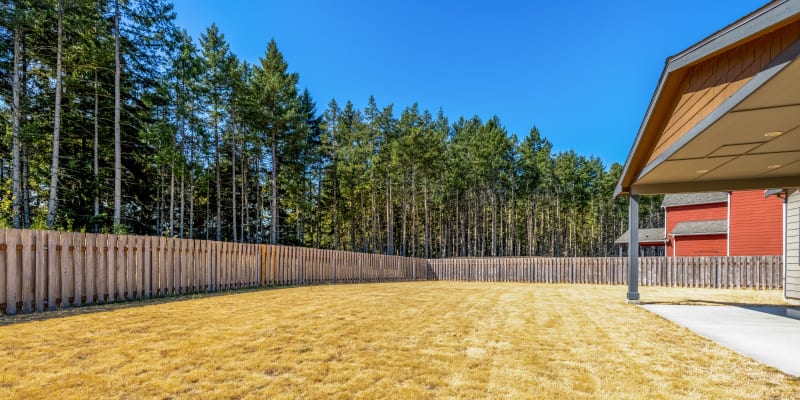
[[101, 282], [28, 260], [147, 267], [12, 271], [40, 274], [174, 277], [224, 278], [78, 268], [121, 267], [67, 269], [130, 267], [3, 271], [90, 280], [157, 266], [140, 272], [205, 266], [180, 268]]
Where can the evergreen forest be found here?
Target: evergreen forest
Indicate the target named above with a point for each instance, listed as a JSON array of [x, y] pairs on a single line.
[[113, 119]]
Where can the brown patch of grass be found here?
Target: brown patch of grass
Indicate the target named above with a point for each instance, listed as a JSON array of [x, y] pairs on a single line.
[[403, 340]]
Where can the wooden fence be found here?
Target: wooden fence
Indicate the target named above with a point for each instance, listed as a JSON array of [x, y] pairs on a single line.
[[44, 269], [762, 272]]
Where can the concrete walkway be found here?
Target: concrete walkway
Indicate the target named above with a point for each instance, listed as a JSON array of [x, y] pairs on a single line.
[[770, 335]]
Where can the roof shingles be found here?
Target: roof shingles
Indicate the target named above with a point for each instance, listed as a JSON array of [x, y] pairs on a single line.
[[688, 199], [712, 227]]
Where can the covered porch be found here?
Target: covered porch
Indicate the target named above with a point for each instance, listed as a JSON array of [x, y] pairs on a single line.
[[726, 116]]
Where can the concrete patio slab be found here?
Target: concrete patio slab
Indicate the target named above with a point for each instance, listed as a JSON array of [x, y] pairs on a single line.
[[767, 334]]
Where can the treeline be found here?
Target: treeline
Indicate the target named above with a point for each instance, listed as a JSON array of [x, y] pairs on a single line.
[[115, 120]]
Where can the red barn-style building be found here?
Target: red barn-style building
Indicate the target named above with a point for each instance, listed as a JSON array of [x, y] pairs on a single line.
[[743, 223]]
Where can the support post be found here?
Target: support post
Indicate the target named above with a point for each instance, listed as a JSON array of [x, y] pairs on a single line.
[[633, 249]]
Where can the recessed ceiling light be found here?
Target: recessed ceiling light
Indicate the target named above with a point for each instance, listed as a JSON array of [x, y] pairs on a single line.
[[773, 166], [773, 134], [702, 171]]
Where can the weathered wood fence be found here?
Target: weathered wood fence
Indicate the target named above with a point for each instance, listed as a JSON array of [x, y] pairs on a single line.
[[757, 272], [44, 269]]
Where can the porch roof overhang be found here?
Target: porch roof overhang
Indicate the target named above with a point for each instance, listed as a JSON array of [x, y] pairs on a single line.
[[726, 113]]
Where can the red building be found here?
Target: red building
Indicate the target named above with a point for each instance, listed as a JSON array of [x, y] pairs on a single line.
[[741, 223]]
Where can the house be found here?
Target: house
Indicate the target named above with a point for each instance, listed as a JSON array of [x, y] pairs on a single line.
[[741, 223], [725, 117]]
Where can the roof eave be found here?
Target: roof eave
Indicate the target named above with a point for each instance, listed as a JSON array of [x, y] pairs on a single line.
[[766, 17]]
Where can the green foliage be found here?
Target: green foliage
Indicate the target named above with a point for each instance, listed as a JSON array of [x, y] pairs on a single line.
[[214, 147]]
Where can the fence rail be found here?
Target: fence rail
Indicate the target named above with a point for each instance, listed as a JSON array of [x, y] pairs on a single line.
[[756, 272], [45, 269]]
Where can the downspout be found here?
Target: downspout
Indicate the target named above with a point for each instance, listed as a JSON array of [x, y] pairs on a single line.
[[666, 238], [728, 228], [674, 246]]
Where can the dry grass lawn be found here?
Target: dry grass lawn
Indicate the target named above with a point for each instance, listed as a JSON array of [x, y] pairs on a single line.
[[404, 340]]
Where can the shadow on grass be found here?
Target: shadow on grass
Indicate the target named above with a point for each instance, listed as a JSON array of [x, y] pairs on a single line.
[[120, 305]]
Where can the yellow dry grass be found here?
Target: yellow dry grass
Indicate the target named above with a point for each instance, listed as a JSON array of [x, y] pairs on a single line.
[[403, 340]]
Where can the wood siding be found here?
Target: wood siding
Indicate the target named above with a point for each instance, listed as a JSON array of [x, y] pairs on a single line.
[[700, 245], [793, 247], [756, 225], [708, 84], [696, 212]]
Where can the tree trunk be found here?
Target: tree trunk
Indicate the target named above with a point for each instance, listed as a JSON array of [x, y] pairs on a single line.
[[273, 229], [373, 219], [217, 175], [244, 222], [494, 224], [233, 183], [26, 188], [16, 195], [427, 221], [95, 150], [117, 122], [172, 198], [414, 243], [182, 202], [403, 246], [389, 217], [51, 204], [318, 210]]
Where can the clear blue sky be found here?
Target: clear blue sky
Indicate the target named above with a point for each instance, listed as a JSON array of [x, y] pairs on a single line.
[[583, 72]]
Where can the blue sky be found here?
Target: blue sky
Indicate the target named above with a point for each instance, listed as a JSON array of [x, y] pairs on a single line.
[[582, 72]]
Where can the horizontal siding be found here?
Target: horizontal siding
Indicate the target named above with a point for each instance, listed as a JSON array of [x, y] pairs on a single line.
[[793, 246], [756, 225], [696, 212], [701, 245]]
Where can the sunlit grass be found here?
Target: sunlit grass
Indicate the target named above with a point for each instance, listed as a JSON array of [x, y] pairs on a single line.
[[404, 340]]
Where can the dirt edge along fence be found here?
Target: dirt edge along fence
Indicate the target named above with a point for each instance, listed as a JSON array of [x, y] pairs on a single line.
[[45, 270], [755, 272]]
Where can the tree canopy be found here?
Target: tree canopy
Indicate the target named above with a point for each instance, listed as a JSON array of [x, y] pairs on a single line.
[[112, 119]]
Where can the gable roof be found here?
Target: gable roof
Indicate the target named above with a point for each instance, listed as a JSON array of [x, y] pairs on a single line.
[[648, 235], [712, 227], [719, 143], [689, 199]]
